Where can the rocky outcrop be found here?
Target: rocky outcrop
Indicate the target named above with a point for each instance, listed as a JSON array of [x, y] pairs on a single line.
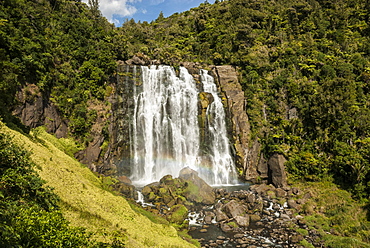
[[172, 197], [248, 157], [187, 189], [276, 169], [227, 79], [92, 155], [34, 109], [203, 193]]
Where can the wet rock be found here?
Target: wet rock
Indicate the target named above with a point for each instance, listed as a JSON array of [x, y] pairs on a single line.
[[248, 158], [234, 209], [220, 216], [255, 218], [225, 227], [242, 221], [209, 217], [203, 193]]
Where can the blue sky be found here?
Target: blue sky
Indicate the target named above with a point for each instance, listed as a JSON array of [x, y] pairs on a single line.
[[116, 11]]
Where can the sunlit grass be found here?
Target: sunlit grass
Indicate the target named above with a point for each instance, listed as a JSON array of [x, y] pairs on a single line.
[[86, 203], [340, 219]]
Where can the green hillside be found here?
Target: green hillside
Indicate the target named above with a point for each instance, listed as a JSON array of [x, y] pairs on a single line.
[[84, 200]]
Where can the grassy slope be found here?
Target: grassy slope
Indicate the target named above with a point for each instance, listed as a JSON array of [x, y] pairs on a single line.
[[87, 204], [342, 221]]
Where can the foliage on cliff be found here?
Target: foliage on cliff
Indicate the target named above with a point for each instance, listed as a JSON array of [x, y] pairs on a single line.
[[64, 47], [305, 70]]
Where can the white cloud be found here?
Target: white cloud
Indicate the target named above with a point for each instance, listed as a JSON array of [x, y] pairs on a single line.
[[118, 8], [156, 2]]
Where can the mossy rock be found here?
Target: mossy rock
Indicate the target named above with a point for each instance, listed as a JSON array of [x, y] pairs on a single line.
[[163, 191], [178, 214], [167, 180], [152, 197], [233, 224]]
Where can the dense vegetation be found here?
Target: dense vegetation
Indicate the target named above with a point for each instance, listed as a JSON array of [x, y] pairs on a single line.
[[63, 47], [305, 70], [29, 211]]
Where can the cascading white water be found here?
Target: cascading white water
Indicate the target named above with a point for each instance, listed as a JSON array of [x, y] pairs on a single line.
[[223, 164], [165, 130]]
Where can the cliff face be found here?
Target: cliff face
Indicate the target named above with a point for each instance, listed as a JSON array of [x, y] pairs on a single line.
[[35, 109], [248, 152], [105, 156]]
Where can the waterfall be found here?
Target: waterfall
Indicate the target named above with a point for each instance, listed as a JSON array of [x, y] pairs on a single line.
[[165, 133], [223, 164]]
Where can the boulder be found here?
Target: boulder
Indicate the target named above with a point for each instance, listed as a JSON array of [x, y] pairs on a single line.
[[220, 216], [293, 204], [177, 214], [242, 221], [280, 192], [197, 189], [125, 179], [225, 227], [277, 174], [233, 209], [209, 217], [127, 190], [255, 218]]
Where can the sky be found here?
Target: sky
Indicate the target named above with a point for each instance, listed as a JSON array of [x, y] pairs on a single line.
[[117, 11]]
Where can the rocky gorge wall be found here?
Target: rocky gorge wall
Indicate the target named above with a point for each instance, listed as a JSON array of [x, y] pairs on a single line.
[[111, 157]]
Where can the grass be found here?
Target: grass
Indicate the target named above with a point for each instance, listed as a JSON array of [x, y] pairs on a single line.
[[87, 203], [340, 219]]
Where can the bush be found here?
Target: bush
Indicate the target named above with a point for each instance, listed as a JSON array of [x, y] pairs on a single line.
[[28, 210]]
